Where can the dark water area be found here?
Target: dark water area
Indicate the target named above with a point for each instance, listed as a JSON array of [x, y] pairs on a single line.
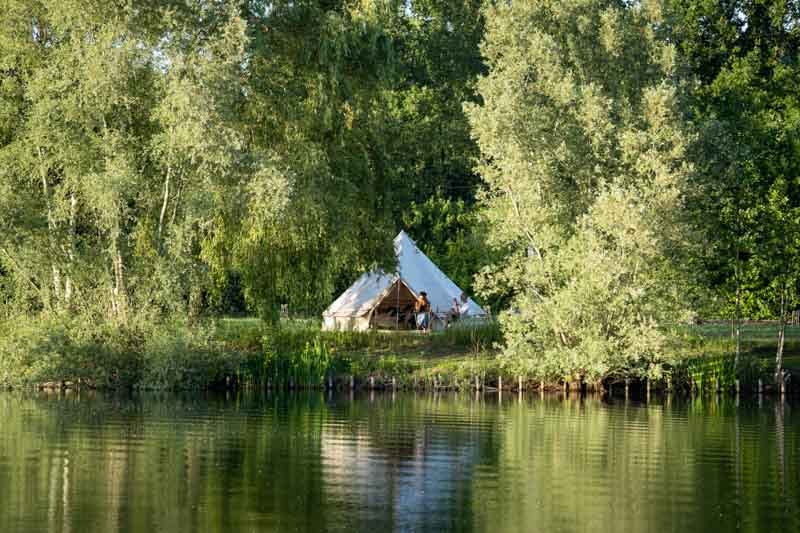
[[384, 462]]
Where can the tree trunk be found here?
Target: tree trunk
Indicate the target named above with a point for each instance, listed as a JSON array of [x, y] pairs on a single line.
[[51, 229], [56, 284], [163, 207], [781, 338], [73, 212], [176, 203], [738, 315], [119, 296]]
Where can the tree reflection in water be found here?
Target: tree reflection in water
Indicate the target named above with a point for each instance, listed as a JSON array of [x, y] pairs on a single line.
[[386, 462]]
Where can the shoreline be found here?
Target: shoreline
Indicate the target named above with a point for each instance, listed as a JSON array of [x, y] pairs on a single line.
[[228, 354], [421, 380]]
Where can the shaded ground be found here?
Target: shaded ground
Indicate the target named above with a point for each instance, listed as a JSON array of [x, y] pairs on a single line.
[[759, 339]]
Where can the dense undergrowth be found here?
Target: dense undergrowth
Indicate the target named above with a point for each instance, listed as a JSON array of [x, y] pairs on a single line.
[[244, 352], [213, 353]]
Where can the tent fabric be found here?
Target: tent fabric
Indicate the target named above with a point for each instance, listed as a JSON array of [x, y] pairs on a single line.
[[353, 309], [345, 323]]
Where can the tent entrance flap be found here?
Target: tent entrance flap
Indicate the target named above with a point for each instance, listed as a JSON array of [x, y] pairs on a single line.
[[396, 308]]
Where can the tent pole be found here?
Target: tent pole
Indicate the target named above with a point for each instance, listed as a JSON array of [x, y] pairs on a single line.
[[397, 327]]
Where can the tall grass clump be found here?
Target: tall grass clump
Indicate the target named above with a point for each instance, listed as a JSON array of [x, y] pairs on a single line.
[[704, 372], [474, 336], [297, 356]]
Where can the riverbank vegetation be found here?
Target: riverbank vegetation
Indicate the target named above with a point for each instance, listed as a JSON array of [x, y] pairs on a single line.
[[234, 352], [599, 173], [228, 353]]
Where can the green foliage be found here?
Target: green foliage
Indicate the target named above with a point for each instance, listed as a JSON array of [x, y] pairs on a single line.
[[450, 233], [424, 145], [742, 64], [140, 354], [177, 357], [56, 350], [583, 152]]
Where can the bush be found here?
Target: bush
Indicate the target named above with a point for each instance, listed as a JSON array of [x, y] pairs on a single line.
[[56, 349], [107, 355], [176, 356]]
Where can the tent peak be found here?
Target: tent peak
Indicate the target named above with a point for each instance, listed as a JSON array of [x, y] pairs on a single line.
[[404, 236]]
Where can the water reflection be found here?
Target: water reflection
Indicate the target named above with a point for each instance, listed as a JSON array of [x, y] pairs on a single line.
[[396, 462]]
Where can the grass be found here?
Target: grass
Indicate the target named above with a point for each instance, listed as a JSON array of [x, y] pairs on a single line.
[[756, 339], [707, 349], [752, 333], [298, 352], [229, 351], [453, 342]]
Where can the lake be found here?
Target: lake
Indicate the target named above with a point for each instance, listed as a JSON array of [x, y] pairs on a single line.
[[86, 461]]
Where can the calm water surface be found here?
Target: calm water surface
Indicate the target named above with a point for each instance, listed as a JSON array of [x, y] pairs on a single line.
[[404, 462]]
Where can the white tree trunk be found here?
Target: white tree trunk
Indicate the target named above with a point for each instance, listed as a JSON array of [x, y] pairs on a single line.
[[73, 213], [55, 269], [119, 296], [781, 338], [164, 206]]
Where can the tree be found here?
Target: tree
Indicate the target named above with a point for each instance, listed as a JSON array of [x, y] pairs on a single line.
[[583, 151], [153, 153], [743, 56], [71, 153]]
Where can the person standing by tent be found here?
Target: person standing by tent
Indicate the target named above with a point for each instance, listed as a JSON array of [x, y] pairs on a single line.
[[460, 309], [422, 308]]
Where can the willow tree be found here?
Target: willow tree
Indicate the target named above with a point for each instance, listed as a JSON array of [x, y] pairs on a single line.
[[314, 71], [583, 157]]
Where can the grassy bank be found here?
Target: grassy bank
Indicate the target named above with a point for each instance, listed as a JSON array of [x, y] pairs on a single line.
[[756, 340], [222, 353], [299, 355], [707, 354], [233, 352]]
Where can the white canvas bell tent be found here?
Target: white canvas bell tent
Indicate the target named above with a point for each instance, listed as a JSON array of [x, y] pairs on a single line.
[[376, 298]]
